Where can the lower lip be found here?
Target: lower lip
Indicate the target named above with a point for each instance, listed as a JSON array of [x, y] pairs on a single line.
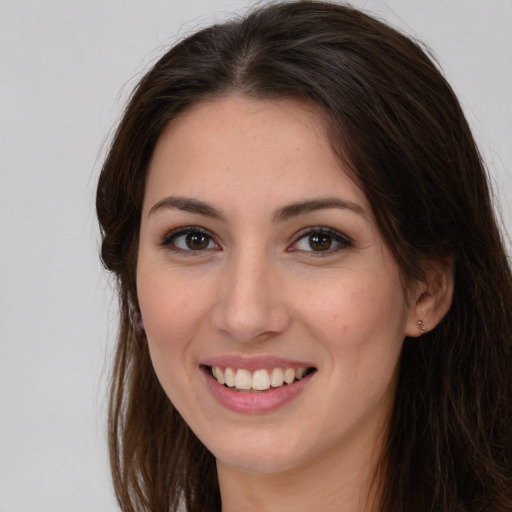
[[255, 403]]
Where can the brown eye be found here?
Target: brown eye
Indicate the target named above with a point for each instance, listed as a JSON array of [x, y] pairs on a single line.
[[197, 241], [189, 239], [320, 242]]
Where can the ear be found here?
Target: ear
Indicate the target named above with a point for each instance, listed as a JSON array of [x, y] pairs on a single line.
[[431, 298]]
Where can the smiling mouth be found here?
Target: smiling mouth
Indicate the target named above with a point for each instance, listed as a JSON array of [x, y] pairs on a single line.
[[258, 381]]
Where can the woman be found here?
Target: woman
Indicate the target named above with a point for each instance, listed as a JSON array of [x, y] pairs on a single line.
[[314, 293]]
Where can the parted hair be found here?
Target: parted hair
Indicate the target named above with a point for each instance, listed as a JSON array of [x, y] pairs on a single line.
[[397, 124]]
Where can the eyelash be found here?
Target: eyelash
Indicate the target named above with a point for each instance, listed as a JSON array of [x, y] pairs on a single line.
[[169, 239], [342, 241]]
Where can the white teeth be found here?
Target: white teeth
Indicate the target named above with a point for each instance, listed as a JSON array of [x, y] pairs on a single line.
[[229, 376], [300, 372], [277, 378], [289, 375], [219, 375], [243, 379], [260, 380]]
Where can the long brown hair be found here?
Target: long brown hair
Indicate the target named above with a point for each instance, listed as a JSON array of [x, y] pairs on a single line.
[[396, 121]]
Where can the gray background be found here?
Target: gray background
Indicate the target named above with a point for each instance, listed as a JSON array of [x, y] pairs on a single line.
[[66, 69]]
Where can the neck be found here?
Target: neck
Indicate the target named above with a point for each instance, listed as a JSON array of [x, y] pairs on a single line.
[[331, 483]]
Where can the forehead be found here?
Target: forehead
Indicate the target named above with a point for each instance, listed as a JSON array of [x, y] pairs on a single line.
[[235, 146]]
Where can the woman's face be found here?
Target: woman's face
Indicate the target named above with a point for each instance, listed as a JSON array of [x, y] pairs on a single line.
[[260, 262]]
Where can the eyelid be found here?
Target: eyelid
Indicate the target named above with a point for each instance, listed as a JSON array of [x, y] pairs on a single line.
[[342, 240], [166, 240]]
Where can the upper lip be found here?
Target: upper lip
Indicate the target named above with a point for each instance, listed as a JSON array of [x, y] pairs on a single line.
[[253, 363]]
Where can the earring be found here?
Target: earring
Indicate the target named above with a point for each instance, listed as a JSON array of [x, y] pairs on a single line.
[[421, 327]]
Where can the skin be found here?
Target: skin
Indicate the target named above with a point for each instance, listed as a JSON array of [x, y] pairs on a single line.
[[255, 290]]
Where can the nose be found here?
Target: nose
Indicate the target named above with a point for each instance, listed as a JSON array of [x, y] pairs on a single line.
[[250, 305]]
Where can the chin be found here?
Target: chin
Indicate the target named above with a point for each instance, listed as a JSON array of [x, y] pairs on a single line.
[[261, 457], [261, 463]]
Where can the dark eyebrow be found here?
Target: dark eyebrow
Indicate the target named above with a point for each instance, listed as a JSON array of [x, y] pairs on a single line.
[[312, 205], [188, 205], [286, 212]]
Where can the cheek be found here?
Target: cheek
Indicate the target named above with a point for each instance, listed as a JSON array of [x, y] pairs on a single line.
[[170, 308], [169, 317], [361, 323], [171, 313], [355, 304]]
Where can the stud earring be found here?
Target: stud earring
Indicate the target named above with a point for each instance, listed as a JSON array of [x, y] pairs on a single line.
[[421, 327]]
